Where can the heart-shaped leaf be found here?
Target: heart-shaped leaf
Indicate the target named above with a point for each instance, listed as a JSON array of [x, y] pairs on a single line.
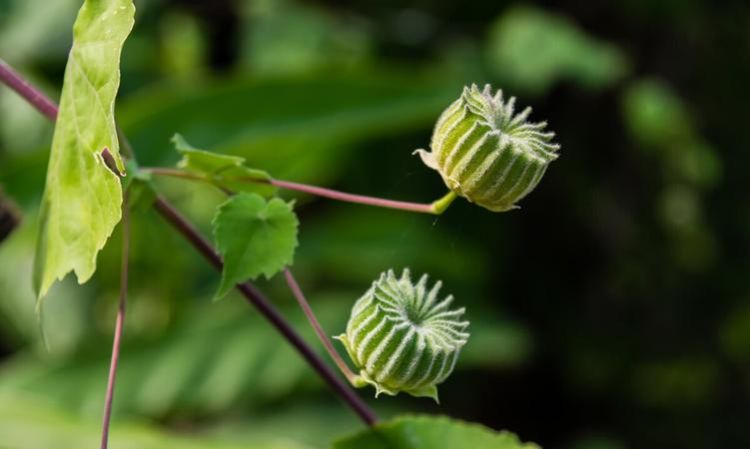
[[254, 237], [431, 432]]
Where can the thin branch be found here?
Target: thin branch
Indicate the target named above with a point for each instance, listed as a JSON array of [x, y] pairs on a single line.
[[255, 297], [37, 99], [352, 198], [176, 173], [436, 208], [119, 323], [297, 291]]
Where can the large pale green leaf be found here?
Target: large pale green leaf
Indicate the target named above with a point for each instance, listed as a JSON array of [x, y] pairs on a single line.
[[224, 171], [431, 432], [254, 237], [82, 196]]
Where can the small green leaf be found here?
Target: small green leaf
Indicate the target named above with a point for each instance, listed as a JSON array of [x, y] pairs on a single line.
[[254, 237], [82, 196], [224, 171], [431, 432]]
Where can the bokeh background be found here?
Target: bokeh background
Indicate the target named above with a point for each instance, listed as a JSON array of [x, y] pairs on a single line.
[[611, 311]]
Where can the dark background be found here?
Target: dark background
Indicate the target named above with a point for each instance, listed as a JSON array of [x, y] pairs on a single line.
[[611, 311]]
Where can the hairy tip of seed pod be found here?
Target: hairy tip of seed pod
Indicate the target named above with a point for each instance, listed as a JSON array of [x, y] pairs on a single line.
[[402, 337], [487, 153]]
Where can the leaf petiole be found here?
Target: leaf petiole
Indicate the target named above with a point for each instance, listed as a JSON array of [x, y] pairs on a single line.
[[435, 208], [322, 336]]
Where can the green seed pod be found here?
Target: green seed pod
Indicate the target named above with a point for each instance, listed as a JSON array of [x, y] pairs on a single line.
[[402, 338], [487, 154]]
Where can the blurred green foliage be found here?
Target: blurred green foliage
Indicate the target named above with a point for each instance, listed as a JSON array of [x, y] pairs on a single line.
[[530, 49], [31, 424], [609, 312]]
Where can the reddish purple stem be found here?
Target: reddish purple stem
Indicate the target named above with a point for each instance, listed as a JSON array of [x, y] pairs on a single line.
[[27, 91], [322, 336], [352, 198], [119, 323]]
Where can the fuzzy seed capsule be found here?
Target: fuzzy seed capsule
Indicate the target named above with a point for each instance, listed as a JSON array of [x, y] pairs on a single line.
[[486, 153], [402, 337]]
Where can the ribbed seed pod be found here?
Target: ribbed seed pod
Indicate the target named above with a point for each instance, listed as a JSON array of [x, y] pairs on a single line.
[[402, 338], [487, 154]]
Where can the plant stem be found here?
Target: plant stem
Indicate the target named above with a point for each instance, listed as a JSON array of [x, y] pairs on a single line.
[[297, 292], [436, 208], [119, 322], [255, 297], [352, 198], [175, 173], [37, 99]]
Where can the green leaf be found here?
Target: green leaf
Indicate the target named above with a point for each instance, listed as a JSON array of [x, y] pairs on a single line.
[[82, 197], [431, 432], [224, 171], [254, 237]]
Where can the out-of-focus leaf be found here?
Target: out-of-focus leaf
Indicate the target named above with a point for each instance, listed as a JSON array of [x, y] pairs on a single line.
[[254, 237], [734, 336], [19, 325], [431, 432], [215, 357], [184, 49], [316, 423], [33, 28], [22, 128], [531, 49], [681, 383], [299, 129], [495, 342], [10, 216], [27, 423], [331, 243], [660, 121], [82, 197], [655, 115], [224, 171], [287, 37]]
